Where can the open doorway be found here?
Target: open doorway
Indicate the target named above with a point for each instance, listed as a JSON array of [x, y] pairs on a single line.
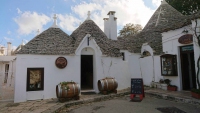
[[188, 67], [86, 72]]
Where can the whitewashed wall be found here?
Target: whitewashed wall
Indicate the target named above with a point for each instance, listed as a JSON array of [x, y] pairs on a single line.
[[196, 47], [171, 46], [7, 89], [52, 75], [103, 67]]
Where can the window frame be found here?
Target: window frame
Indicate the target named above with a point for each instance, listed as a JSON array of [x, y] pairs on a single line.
[[41, 70]]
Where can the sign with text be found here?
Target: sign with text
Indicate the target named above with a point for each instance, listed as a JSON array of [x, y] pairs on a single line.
[[137, 86], [186, 39]]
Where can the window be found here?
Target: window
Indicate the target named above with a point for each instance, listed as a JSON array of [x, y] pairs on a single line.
[[6, 73], [35, 79], [168, 65], [123, 56]]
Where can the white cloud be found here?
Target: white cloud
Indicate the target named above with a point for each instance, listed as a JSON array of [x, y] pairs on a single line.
[[19, 11], [68, 22], [14, 47], [8, 39], [8, 32], [84, 7], [25, 41], [29, 22], [156, 2], [127, 11]]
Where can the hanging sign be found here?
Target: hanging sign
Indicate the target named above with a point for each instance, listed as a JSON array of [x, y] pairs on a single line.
[[186, 39], [61, 62]]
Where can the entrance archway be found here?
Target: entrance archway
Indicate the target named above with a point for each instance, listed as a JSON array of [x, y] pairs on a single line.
[[188, 67], [87, 69]]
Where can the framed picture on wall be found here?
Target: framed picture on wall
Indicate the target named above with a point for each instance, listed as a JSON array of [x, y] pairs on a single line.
[[35, 79], [168, 65]]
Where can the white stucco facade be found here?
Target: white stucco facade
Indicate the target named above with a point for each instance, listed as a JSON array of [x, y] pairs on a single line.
[[7, 77], [103, 66], [172, 46], [196, 46]]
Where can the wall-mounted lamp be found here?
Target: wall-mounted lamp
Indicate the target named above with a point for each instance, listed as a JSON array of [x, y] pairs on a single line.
[[185, 31]]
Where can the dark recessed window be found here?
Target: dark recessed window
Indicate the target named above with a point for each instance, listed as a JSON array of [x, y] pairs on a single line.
[[168, 65], [35, 79], [123, 56]]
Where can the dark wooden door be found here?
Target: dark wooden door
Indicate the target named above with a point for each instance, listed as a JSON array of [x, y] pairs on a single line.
[[188, 67]]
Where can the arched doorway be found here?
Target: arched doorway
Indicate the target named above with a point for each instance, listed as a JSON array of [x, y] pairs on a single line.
[[87, 68]]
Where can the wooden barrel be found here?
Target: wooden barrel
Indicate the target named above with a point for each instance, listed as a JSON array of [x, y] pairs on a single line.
[[72, 89], [107, 84]]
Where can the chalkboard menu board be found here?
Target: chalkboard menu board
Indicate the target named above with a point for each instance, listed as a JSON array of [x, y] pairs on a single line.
[[136, 86]]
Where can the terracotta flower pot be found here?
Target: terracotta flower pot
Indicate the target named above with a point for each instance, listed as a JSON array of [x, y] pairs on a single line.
[[195, 95], [172, 88]]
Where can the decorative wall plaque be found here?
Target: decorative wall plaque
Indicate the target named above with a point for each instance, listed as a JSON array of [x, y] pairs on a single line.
[[61, 62], [186, 39]]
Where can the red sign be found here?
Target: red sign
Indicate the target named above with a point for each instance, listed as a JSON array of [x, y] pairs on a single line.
[[186, 39]]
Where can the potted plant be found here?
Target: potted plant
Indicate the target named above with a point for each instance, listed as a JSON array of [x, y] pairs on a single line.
[[163, 85], [169, 86], [195, 93], [172, 87]]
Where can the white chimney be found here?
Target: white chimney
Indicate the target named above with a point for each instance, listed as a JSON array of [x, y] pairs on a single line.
[[110, 26], [9, 48]]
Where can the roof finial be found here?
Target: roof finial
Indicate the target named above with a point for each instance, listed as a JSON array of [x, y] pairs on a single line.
[[88, 18], [55, 21], [163, 2], [22, 42], [38, 32]]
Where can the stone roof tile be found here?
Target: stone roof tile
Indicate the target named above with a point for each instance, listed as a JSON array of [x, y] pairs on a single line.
[[108, 47], [52, 41]]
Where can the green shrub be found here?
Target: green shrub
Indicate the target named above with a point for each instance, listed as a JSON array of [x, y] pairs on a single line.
[[196, 91]]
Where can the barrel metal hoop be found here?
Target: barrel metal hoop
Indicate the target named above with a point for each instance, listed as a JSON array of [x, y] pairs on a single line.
[[116, 83], [74, 88], [78, 86], [102, 84], [107, 83], [113, 83], [59, 90]]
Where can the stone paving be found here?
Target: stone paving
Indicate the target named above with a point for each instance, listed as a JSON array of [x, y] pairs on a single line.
[[52, 105]]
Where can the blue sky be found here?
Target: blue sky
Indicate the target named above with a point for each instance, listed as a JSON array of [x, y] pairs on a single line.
[[20, 19]]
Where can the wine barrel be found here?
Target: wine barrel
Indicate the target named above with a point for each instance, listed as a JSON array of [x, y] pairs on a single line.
[[107, 84], [73, 90]]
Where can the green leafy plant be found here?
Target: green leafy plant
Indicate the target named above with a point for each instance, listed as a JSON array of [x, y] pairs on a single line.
[[196, 91], [167, 81], [64, 85], [161, 81]]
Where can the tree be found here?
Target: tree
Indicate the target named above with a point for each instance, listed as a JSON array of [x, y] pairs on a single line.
[[186, 7], [190, 7], [130, 29]]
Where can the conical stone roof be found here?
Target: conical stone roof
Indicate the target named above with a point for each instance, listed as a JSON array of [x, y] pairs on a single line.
[[52, 41], [108, 47], [165, 18]]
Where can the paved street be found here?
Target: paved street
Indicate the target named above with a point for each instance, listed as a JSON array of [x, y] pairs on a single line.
[[123, 105]]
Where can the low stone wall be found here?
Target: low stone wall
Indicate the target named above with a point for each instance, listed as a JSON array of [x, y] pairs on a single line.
[[59, 107], [173, 98], [159, 85]]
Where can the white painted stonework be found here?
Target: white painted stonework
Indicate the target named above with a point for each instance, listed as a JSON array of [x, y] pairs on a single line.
[[135, 65], [172, 46], [196, 47], [7, 88], [103, 67]]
